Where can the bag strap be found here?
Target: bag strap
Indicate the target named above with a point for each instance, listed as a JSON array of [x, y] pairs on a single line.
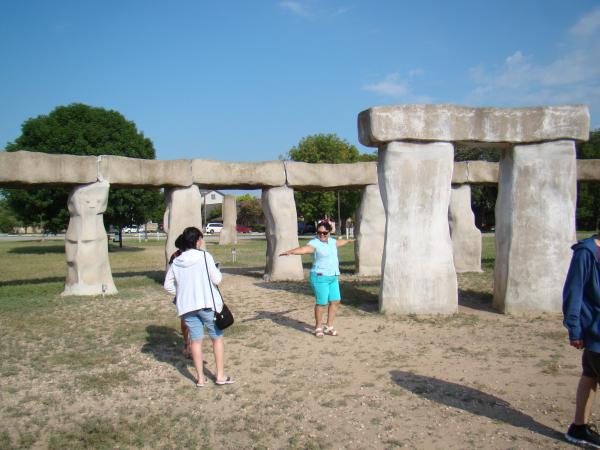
[[209, 283]]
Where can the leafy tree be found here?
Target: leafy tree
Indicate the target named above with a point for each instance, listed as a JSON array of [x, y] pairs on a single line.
[[8, 220], [79, 129], [327, 148], [588, 193], [483, 198], [249, 210]]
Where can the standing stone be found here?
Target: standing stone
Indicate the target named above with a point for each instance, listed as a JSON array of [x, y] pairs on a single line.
[[228, 234], [369, 232], [86, 244], [535, 226], [466, 237], [418, 271], [281, 233], [184, 209]]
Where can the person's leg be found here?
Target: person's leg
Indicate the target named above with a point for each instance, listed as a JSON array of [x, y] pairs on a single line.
[[321, 291], [584, 399], [219, 351], [196, 347], [331, 312], [319, 313], [186, 339]]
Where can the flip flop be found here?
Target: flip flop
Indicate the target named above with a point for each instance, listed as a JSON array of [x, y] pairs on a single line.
[[330, 331], [227, 380], [201, 383], [318, 332]]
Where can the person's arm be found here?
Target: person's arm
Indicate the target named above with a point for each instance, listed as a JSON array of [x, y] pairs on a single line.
[[213, 271], [304, 250], [342, 242], [169, 283], [573, 295]]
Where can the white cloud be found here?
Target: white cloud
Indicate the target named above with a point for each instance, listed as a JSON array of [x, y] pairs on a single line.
[[572, 77], [391, 86], [294, 7], [587, 25]]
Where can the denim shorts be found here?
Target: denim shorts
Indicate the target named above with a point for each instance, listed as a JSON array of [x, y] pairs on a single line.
[[326, 288], [197, 320]]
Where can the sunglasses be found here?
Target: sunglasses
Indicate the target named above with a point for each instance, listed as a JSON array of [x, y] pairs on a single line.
[[323, 233]]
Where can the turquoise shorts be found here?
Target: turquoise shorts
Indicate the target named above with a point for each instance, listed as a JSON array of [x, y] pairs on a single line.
[[326, 288]]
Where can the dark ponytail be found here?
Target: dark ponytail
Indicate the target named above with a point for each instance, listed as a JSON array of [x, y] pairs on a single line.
[[190, 236]]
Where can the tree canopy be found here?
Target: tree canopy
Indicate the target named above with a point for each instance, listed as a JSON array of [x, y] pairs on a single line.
[[249, 210], [327, 148], [79, 129], [588, 193]]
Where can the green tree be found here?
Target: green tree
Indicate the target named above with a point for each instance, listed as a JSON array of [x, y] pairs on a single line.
[[79, 129], [249, 210], [8, 220], [327, 148], [483, 197], [588, 193]]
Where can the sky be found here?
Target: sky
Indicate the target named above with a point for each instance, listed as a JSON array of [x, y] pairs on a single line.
[[247, 80]]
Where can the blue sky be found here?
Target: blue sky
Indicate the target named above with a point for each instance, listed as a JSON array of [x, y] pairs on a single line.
[[246, 80]]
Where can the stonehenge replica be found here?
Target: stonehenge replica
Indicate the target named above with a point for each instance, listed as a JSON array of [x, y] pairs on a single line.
[[535, 211], [414, 228]]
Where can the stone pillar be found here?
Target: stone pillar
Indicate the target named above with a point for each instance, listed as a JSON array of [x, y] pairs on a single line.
[[418, 271], [86, 244], [369, 232], [184, 209], [228, 234], [535, 226], [282, 234], [466, 237]]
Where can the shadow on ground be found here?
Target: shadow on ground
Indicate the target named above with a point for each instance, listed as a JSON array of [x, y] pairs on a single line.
[[158, 276], [165, 344], [38, 249], [481, 301], [469, 400], [280, 318]]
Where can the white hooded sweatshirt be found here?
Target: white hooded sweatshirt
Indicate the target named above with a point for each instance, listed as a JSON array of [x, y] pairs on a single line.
[[188, 280]]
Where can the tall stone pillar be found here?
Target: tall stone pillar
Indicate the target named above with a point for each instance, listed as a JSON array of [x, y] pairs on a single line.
[[282, 234], [535, 226], [184, 209], [228, 234], [418, 271], [369, 232], [466, 237], [86, 244]]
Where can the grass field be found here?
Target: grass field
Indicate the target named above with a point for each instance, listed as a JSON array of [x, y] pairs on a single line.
[[82, 372]]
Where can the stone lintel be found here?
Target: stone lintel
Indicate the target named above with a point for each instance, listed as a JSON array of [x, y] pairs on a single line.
[[24, 168], [124, 171], [588, 170], [317, 177], [219, 174], [463, 124]]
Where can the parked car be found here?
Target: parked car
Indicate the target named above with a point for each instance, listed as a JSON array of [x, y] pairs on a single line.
[[130, 229], [213, 227], [243, 229]]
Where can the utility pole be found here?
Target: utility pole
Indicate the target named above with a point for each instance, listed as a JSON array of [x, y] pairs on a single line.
[[339, 227]]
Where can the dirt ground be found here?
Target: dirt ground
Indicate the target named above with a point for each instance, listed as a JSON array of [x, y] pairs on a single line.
[[477, 379]]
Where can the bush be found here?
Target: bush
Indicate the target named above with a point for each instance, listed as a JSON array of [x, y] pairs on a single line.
[[258, 227]]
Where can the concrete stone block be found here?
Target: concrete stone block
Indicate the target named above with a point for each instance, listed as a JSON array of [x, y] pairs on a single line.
[[228, 235], [281, 233], [86, 243], [24, 168], [120, 170], [452, 123], [460, 173], [588, 169], [220, 174], [184, 209], [466, 238], [369, 233], [482, 172], [535, 226], [418, 269], [318, 177]]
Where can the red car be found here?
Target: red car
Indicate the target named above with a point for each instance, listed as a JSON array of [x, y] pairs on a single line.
[[243, 229]]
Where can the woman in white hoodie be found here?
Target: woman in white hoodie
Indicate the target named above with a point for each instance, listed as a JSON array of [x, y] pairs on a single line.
[[190, 278]]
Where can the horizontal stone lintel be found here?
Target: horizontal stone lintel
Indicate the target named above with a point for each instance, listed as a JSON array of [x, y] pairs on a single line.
[[23, 168], [308, 176], [467, 125]]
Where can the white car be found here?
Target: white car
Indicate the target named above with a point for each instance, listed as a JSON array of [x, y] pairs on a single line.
[[213, 227]]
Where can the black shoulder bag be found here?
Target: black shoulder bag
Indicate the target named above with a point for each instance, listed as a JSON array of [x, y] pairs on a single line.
[[224, 318]]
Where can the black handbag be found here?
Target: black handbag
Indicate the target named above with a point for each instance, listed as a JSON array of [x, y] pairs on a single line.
[[223, 318]]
